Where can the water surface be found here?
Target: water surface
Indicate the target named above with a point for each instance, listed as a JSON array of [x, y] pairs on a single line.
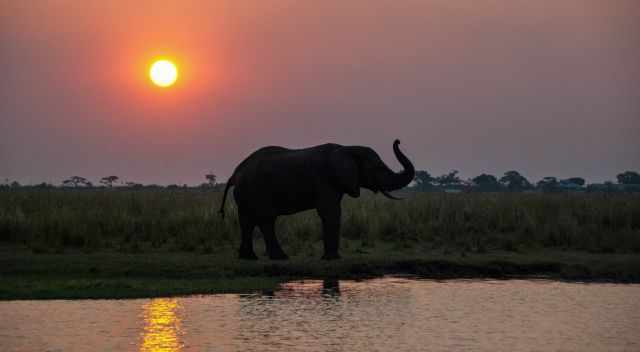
[[388, 314]]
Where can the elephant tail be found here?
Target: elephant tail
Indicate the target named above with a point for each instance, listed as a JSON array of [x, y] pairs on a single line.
[[224, 197]]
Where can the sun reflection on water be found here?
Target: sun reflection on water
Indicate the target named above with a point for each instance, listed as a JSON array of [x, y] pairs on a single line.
[[162, 326]]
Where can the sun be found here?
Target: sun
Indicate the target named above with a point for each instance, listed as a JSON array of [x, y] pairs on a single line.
[[163, 73]]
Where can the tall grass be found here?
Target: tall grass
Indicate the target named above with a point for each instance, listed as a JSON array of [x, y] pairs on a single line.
[[187, 220]]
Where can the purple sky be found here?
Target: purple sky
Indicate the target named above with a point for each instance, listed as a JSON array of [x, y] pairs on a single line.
[[548, 88]]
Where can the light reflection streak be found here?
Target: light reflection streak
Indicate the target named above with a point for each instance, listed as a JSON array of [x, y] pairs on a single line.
[[162, 326]]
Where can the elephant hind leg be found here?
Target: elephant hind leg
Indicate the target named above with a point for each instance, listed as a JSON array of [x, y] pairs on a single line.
[[274, 251], [246, 244]]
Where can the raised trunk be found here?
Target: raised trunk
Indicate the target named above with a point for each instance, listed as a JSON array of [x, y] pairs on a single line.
[[393, 180]]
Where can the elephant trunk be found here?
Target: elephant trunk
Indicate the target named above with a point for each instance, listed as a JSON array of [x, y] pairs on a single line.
[[393, 181]]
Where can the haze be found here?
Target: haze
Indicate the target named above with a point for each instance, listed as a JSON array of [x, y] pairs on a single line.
[[548, 88]]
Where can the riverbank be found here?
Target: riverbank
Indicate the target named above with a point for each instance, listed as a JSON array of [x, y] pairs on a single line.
[[74, 275]]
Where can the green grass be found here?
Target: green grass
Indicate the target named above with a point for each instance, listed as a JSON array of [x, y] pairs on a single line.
[[132, 221], [116, 288], [102, 243], [25, 275]]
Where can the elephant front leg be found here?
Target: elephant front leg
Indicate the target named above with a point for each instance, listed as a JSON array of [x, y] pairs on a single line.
[[331, 230]]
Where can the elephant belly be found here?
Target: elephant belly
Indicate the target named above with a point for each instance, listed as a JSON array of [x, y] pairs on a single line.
[[293, 201]]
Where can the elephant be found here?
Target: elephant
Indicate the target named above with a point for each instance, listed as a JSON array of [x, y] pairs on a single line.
[[275, 181]]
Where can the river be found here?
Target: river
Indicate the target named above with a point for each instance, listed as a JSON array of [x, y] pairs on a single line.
[[386, 314]]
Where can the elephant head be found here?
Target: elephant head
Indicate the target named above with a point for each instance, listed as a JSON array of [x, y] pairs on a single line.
[[356, 166]]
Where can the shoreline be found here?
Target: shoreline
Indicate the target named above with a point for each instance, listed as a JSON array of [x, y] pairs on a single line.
[[111, 275]]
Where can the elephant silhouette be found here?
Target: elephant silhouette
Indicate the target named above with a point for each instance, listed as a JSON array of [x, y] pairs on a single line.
[[275, 181]]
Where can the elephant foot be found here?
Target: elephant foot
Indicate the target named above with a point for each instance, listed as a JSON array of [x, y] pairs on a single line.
[[247, 255], [331, 256], [278, 256]]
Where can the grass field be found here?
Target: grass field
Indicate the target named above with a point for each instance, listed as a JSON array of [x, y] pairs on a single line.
[[130, 243], [187, 220]]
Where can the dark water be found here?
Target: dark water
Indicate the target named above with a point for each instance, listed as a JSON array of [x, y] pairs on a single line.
[[388, 314]]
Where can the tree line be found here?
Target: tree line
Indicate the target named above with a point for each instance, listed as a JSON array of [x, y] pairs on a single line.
[[112, 181], [511, 181]]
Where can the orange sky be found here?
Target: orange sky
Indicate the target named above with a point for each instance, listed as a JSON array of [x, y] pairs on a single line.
[[544, 87]]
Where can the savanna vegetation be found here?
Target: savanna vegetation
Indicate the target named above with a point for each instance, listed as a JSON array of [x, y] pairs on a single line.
[[133, 221], [113, 242]]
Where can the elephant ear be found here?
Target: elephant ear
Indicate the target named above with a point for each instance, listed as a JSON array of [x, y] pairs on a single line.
[[345, 171]]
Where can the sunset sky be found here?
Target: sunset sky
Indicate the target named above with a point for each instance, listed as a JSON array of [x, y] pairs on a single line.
[[548, 88]]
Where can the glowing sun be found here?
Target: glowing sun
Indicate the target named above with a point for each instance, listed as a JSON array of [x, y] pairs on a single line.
[[163, 73]]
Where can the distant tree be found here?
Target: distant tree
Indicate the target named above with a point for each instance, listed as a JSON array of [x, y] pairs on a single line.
[[173, 186], [76, 181], [609, 186], [486, 183], [575, 180], [423, 180], [43, 185], [211, 179], [548, 184], [629, 178], [15, 184], [134, 184], [450, 179], [109, 180], [513, 181]]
